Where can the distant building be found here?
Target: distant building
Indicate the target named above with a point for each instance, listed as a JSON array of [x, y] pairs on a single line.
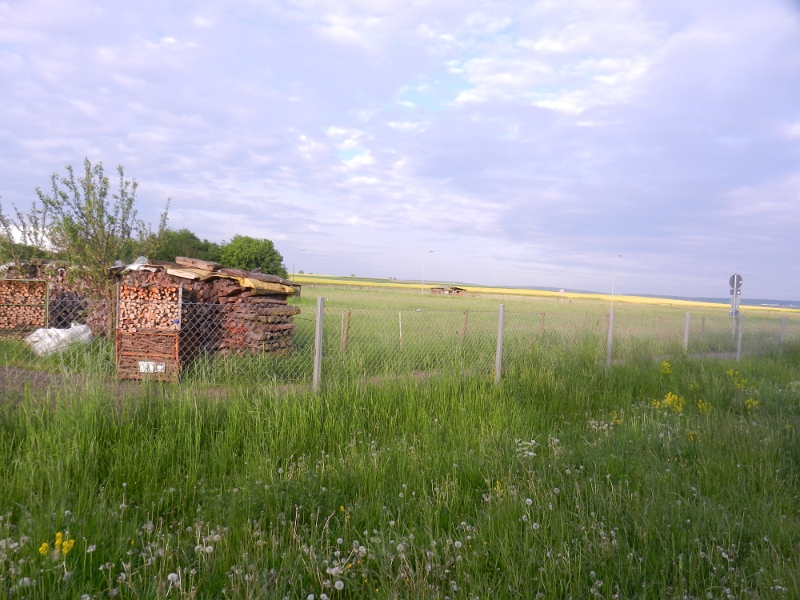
[[449, 291]]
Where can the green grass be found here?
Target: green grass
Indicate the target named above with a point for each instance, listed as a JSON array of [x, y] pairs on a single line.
[[563, 481]]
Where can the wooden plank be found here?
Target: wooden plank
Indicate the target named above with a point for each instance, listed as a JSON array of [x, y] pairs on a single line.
[[207, 265]]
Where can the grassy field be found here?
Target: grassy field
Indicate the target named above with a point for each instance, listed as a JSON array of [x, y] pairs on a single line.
[[653, 480]]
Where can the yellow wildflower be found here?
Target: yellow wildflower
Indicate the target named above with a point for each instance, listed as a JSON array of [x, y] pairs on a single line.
[[59, 539], [67, 546], [666, 369], [671, 402], [751, 405], [341, 509], [44, 548], [703, 407]]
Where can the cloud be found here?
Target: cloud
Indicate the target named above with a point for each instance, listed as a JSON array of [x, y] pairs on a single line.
[[525, 142]]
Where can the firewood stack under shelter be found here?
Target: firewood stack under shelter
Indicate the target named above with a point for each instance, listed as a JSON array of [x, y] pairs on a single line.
[[23, 305], [171, 314]]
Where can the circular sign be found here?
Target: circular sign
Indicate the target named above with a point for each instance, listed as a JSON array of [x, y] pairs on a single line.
[[736, 281]]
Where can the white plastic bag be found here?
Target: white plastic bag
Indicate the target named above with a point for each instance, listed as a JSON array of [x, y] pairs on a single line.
[[47, 341]]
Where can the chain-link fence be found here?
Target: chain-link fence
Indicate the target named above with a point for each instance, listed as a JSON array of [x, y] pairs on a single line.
[[275, 342]]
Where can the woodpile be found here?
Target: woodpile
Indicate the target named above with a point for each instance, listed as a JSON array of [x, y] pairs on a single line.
[[149, 309], [69, 300], [206, 308], [23, 304]]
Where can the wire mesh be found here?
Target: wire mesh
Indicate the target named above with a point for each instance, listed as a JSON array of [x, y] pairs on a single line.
[[272, 342], [363, 342]]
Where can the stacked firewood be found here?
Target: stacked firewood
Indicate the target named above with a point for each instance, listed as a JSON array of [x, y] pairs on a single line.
[[22, 304], [258, 326], [152, 308]]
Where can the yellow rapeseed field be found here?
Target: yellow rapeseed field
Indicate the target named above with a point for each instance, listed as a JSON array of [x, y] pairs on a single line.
[[489, 290]]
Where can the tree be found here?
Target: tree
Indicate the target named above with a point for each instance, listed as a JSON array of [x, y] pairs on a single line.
[[248, 253], [185, 243], [84, 223]]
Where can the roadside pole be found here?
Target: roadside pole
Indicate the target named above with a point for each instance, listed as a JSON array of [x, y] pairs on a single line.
[[498, 355], [318, 344]]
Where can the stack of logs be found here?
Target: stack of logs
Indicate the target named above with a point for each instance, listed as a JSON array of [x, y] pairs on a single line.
[[254, 322], [23, 304], [152, 308], [212, 314]]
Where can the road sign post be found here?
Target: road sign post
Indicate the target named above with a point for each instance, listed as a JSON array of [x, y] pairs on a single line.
[[736, 290]]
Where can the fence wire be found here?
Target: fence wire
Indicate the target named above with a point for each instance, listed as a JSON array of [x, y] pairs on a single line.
[[273, 343]]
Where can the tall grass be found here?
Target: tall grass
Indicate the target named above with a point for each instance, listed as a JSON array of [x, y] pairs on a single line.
[[649, 481]]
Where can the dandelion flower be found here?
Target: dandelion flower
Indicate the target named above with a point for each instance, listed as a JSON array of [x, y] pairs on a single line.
[[310, 597], [44, 548], [209, 549], [339, 541], [59, 539], [458, 544], [536, 526], [25, 582], [339, 585], [67, 546], [528, 501], [556, 491], [91, 549], [172, 578]]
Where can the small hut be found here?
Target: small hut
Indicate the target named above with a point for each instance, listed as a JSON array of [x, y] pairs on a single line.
[[449, 291]]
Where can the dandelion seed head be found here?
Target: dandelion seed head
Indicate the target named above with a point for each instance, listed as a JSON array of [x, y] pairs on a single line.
[[172, 578], [339, 541], [339, 585], [528, 501], [536, 526], [458, 544]]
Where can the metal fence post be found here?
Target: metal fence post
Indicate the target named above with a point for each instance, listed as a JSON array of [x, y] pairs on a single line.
[[610, 340], [498, 356], [318, 344], [686, 332], [739, 338], [783, 331]]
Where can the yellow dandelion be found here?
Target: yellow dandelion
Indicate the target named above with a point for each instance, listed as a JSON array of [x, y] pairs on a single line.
[[44, 548]]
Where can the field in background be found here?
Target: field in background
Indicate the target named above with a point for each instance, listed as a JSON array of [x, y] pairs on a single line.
[[488, 292]]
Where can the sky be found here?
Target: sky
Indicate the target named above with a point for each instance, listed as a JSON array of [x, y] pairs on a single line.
[[526, 143]]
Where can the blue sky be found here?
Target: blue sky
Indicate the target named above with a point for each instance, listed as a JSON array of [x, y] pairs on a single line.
[[525, 143]]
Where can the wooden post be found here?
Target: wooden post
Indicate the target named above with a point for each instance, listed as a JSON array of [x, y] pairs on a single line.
[[739, 338], [686, 332], [541, 325], [400, 319], [318, 345], [783, 331], [464, 327], [345, 330], [498, 355], [610, 339]]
